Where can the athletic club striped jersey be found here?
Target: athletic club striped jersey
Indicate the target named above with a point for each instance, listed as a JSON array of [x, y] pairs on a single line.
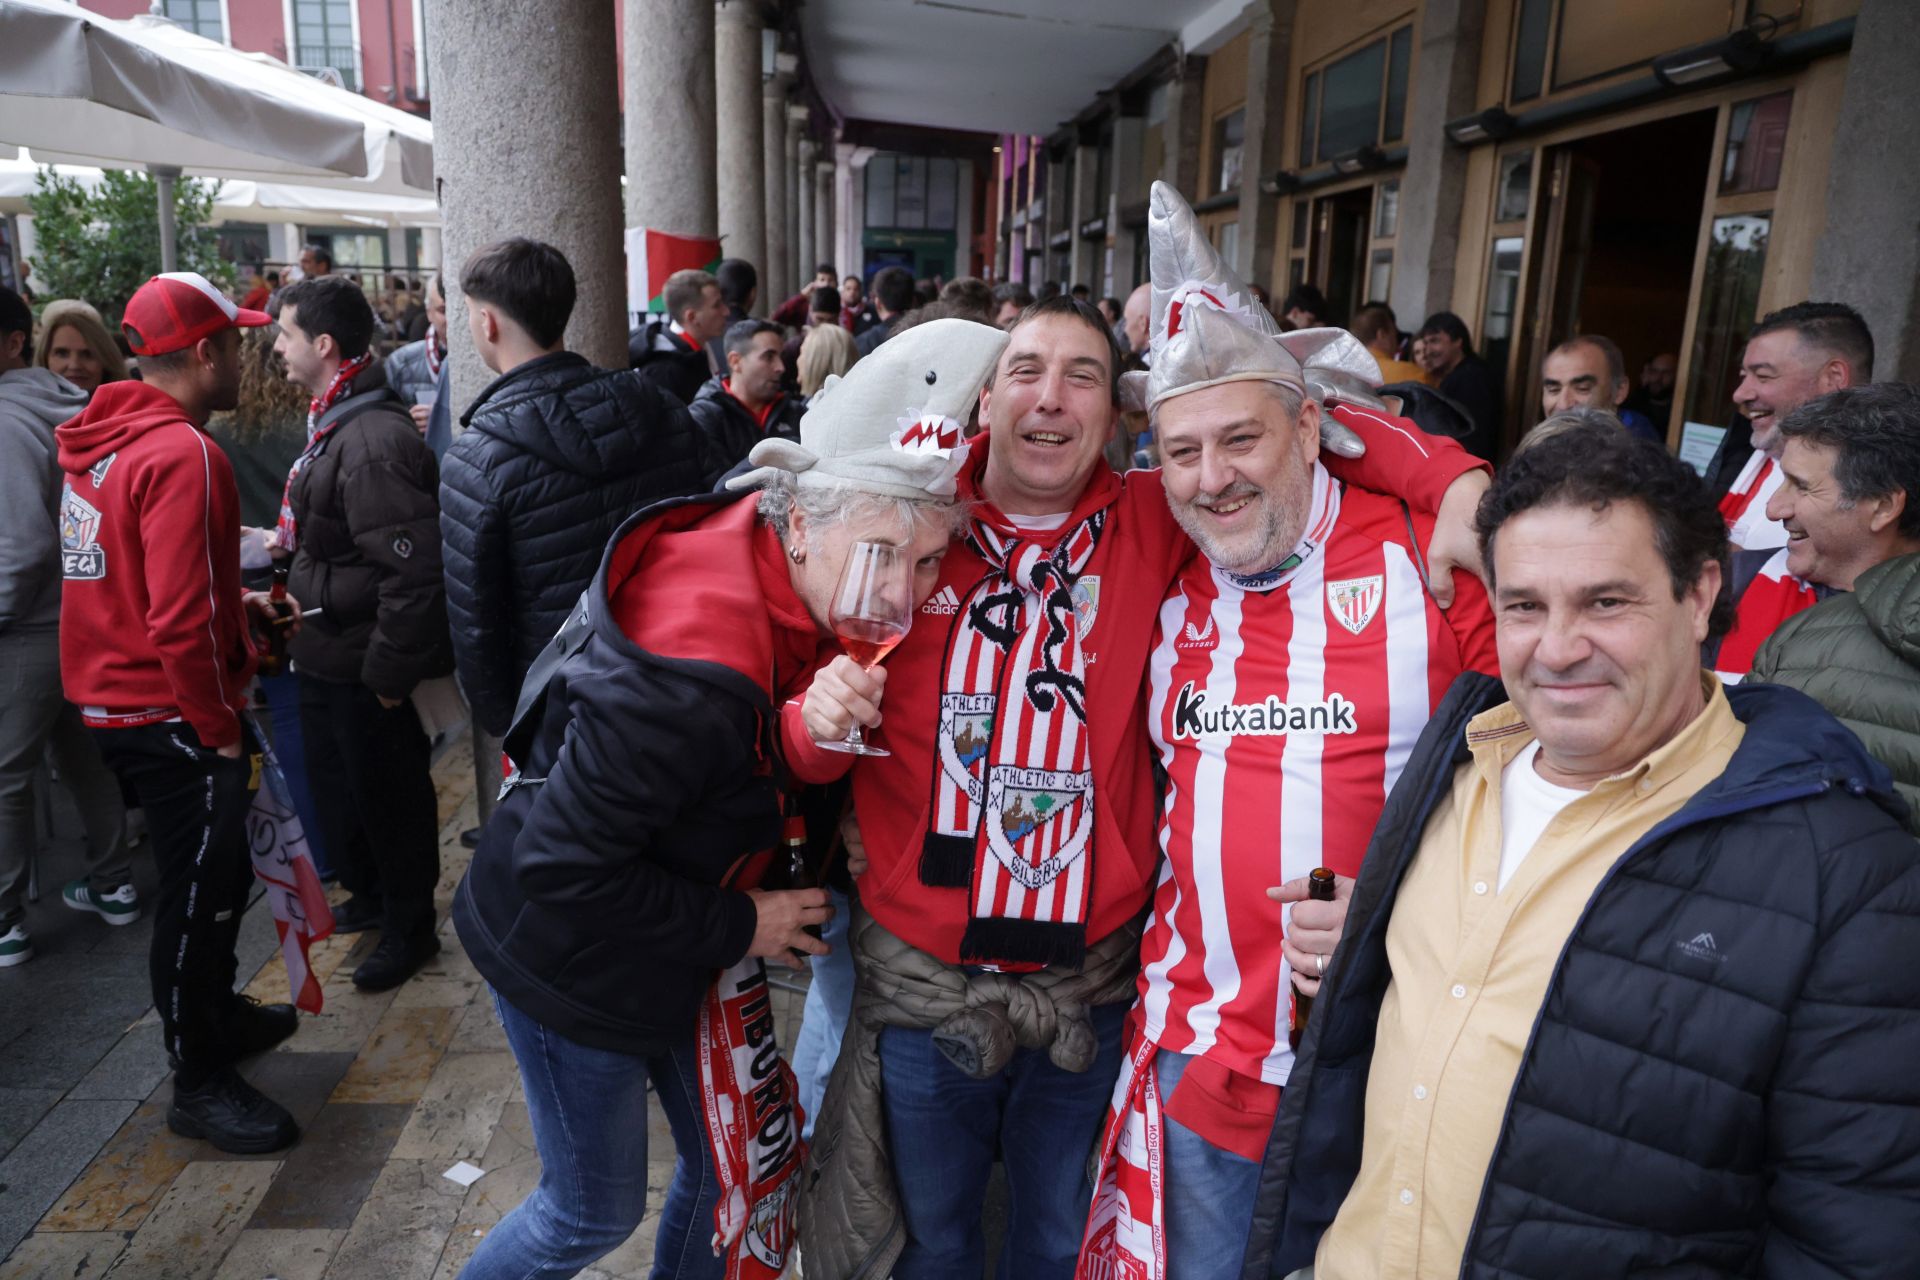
[[1745, 506], [1283, 709], [1769, 599]]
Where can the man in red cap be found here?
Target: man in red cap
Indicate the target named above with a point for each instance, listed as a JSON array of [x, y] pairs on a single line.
[[154, 649]]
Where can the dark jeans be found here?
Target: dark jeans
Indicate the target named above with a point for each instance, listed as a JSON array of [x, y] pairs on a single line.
[[196, 803], [369, 768], [36, 719], [943, 1128], [589, 1113]]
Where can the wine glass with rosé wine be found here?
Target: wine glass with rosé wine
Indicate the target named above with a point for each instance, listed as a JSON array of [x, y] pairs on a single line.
[[872, 609]]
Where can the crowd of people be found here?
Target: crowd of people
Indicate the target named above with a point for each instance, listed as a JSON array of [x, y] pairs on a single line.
[[1293, 844]]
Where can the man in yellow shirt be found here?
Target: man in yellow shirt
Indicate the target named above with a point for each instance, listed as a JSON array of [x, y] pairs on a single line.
[[1631, 983]]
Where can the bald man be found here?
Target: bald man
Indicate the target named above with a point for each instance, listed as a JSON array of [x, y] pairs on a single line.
[[1134, 319]]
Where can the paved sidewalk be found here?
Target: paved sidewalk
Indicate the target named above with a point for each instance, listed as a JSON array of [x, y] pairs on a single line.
[[390, 1091]]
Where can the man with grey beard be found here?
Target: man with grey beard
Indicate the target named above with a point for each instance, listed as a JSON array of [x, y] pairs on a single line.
[[1297, 657]]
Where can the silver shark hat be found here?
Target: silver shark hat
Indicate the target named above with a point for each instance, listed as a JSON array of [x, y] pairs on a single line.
[[894, 424], [1208, 328]]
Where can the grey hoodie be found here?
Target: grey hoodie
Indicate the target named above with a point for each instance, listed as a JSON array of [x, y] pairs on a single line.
[[32, 403]]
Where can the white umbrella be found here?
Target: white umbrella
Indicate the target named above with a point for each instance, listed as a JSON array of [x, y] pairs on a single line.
[[241, 200], [72, 79]]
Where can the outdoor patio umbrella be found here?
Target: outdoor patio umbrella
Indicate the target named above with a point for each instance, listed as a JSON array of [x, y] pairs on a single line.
[[80, 88]]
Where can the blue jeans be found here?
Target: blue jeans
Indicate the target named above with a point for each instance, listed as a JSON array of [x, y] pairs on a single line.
[[1209, 1193], [824, 1019], [944, 1127], [589, 1113]]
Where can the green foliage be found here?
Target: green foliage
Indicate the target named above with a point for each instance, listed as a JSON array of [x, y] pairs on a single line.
[[100, 246]]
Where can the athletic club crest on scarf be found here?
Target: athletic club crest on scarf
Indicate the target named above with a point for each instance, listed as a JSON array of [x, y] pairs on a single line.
[[1012, 806]]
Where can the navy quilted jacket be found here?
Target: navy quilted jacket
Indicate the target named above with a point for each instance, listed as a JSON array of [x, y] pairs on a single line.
[[555, 456], [1750, 1112]]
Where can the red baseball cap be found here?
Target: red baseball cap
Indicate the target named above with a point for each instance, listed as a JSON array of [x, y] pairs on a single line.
[[171, 312]]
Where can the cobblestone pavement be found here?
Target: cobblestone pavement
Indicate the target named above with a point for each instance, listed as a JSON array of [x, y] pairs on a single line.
[[390, 1090]]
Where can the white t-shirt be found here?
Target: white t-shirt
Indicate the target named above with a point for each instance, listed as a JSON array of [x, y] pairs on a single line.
[[1528, 802], [1039, 524]]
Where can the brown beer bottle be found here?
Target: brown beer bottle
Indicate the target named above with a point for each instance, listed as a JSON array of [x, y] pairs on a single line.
[[1320, 889], [790, 869], [274, 660]]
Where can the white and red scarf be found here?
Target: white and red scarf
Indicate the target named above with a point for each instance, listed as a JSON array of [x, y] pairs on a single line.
[[1126, 1235], [1012, 807], [434, 357], [282, 863], [287, 532]]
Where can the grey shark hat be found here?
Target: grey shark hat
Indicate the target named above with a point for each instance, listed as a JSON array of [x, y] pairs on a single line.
[[1208, 328], [894, 424]]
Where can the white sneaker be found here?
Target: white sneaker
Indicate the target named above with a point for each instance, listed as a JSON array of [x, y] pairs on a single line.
[[15, 947]]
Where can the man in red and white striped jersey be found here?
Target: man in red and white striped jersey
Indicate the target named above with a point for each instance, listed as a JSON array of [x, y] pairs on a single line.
[[1793, 355], [1297, 657]]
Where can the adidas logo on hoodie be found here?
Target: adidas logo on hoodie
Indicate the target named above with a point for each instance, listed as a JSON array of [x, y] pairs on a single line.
[[945, 602]]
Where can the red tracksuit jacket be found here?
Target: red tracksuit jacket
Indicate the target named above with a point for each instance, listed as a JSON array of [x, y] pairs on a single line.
[[151, 621]]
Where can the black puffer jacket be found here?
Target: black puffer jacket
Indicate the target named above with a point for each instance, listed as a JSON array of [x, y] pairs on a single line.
[[368, 552], [645, 775], [1753, 1110], [555, 456], [667, 360], [731, 431]]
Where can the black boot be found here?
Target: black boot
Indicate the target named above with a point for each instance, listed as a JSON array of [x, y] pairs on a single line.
[[231, 1114], [252, 1027], [357, 913], [397, 958]]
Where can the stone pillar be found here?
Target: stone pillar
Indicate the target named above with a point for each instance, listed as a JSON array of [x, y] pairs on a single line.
[[670, 117], [430, 248], [527, 143], [799, 204], [283, 242], [740, 152], [1085, 206], [1129, 187], [1446, 70], [1058, 217], [823, 224], [1868, 256], [962, 222], [396, 252], [849, 200], [1185, 126], [1269, 49], [776, 277], [807, 250]]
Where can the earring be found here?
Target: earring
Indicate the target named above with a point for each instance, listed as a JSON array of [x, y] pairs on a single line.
[[797, 556]]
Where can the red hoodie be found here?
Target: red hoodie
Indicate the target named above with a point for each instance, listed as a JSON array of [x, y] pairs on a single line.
[[151, 622]]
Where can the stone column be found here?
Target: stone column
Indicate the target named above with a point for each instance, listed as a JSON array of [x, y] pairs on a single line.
[[1868, 256], [430, 248], [1058, 217], [1433, 189], [1085, 206], [807, 250], [823, 224], [1269, 49], [799, 204], [1186, 124], [670, 117], [283, 242], [776, 278], [740, 152], [1129, 187], [396, 252], [527, 143]]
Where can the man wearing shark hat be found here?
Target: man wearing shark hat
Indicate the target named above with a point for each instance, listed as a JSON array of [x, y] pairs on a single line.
[[1011, 832], [1296, 660]]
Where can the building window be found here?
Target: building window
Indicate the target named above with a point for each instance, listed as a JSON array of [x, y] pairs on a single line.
[[912, 192], [1386, 212], [1729, 304], [1562, 43], [1756, 139], [1229, 148], [323, 40], [1516, 187], [1503, 300], [1359, 100], [202, 17]]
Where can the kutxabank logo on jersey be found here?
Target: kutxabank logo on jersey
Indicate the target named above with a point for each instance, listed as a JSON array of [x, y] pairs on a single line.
[[1270, 717]]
